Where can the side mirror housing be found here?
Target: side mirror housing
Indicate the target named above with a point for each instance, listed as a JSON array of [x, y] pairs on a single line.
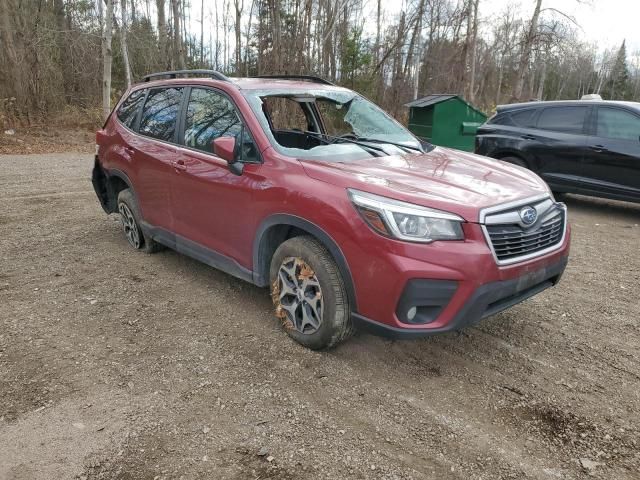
[[225, 148]]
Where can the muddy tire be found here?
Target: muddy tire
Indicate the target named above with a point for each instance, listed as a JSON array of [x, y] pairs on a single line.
[[130, 220], [309, 294]]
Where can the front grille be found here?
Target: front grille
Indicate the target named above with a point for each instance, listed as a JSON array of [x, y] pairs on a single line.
[[511, 240]]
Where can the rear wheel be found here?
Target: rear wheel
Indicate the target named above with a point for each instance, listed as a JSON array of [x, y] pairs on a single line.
[[309, 295], [130, 219]]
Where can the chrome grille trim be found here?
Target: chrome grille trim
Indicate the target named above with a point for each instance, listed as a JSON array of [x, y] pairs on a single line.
[[511, 241]]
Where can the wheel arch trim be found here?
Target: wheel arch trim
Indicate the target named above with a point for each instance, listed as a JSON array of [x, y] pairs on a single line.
[[114, 172], [500, 154], [261, 248]]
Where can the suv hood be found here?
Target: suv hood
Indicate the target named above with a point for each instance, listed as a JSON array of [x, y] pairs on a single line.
[[450, 180]]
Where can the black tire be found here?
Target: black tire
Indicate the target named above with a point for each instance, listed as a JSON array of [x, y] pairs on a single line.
[[515, 161], [335, 314], [130, 220]]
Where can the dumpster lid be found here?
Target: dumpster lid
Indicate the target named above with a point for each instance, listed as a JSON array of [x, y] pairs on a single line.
[[430, 100]]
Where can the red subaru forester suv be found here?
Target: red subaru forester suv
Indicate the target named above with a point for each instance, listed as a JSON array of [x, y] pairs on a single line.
[[310, 189]]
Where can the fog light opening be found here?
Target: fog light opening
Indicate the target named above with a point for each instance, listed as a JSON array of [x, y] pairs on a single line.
[[411, 313]]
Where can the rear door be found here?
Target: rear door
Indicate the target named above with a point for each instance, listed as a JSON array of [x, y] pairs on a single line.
[[558, 144], [213, 205], [612, 162], [155, 154]]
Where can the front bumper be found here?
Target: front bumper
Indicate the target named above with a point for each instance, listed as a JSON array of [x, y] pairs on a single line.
[[486, 300]]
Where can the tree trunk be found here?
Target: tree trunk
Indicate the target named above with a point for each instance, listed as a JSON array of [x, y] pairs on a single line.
[[277, 36], [466, 47], [107, 57], [543, 77], [61, 24], [162, 32], [202, 34], [123, 40], [378, 20], [526, 52], [414, 37], [178, 49], [474, 42], [499, 89], [217, 47], [248, 35], [11, 47], [133, 11], [239, 7]]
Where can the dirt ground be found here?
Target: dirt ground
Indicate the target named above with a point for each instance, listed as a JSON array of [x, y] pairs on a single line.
[[117, 364], [47, 139]]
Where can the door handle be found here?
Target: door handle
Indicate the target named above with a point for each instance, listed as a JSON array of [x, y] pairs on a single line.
[[129, 150], [179, 165], [528, 137], [598, 148]]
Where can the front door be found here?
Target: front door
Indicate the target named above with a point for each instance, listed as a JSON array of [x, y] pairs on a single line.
[[612, 162], [213, 206]]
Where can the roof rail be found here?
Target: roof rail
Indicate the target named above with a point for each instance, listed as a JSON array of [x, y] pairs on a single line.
[[310, 78], [174, 74]]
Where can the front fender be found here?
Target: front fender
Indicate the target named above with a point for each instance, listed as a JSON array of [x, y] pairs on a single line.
[[267, 240]]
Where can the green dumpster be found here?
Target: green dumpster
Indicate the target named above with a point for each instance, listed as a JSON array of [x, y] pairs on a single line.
[[445, 120]]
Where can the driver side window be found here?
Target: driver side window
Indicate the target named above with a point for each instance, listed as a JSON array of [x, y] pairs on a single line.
[[617, 124], [211, 115], [284, 114]]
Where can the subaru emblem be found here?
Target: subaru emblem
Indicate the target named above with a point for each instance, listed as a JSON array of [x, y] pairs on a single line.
[[528, 215]]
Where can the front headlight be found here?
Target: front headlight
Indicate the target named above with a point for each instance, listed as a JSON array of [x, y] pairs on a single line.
[[406, 221]]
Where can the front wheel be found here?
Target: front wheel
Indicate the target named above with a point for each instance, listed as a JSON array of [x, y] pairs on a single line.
[[309, 295]]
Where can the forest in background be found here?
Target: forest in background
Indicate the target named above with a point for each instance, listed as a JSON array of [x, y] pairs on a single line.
[[74, 58]]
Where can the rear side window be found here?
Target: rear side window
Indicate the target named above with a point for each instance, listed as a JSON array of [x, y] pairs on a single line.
[[618, 124], [524, 118], [563, 119], [128, 110], [160, 113]]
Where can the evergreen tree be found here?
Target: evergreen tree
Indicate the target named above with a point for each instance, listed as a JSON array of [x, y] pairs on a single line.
[[620, 75]]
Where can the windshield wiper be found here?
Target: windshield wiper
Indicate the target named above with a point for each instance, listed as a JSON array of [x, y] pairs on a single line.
[[329, 139], [399, 145]]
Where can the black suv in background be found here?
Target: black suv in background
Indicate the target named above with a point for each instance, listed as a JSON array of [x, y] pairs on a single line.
[[590, 147]]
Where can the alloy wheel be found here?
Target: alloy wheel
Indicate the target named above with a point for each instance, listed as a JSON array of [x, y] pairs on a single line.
[[298, 296], [129, 225]]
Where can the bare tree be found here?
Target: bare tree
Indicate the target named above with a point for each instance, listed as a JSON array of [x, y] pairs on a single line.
[[178, 48], [51, 49], [238, 7], [471, 95], [107, 56], [123, 41], [162, 31], [527, 47], [202, 32]]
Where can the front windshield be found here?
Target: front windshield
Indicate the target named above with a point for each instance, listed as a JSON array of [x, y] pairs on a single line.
[[328, 125]]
